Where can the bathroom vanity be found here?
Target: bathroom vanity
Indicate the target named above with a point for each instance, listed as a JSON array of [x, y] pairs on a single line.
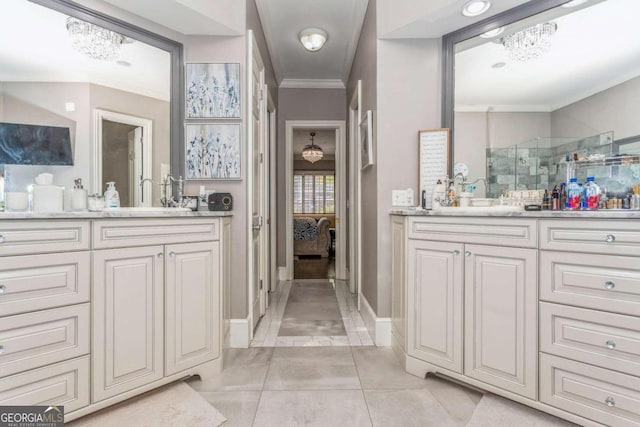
[[539, 307], [98, 307]]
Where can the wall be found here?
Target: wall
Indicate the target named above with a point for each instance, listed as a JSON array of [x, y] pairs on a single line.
[[365, 69], [300, 104], [320, 165], [115, 157], [253, 23]]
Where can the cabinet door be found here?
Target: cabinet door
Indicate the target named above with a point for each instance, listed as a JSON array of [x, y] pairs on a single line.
[[501, 317], [128, 287], [434, 303], [192, 304]]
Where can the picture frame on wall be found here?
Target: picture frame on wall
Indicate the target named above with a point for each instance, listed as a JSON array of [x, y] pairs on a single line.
[[213, 151], [366, 140], [212, 91]]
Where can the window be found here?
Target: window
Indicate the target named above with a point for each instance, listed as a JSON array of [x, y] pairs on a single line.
[[314, 192]]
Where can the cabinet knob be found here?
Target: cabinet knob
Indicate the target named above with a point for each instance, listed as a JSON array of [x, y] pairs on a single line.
[[611, 345], [456, 252], [2, 239], [610, 238], [609, 285], [160, 255], [610, 402], [467, 253], [2, 289], [2, 350], [172, 254]]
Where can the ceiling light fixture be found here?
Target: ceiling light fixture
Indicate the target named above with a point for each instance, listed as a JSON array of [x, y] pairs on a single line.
[[529, 43], [476, 7], [313, 38], [574, 3], [94, 41], [492, 33], [312, 153]]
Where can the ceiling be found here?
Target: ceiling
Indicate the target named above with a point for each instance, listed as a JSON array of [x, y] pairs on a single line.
[[42, 52], [589, 54], [325, 139]]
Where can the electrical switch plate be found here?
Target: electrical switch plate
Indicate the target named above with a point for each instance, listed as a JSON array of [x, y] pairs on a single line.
[[402, 197]]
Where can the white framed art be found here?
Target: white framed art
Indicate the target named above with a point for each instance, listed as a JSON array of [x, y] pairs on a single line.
[[212, 91], [366, 140], [213, 151]]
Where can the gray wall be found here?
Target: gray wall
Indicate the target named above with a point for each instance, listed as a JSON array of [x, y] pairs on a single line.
[[365, 68], [300, 104], [320, 165], [253, 23]]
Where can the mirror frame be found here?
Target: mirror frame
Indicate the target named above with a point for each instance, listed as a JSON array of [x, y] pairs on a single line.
[[175, 49], [450, 40]]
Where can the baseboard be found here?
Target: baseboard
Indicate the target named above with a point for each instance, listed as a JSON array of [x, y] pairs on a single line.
[[240, 333], [379, 328], [282, 273]]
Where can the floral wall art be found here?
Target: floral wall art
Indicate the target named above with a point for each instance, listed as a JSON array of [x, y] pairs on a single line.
[[213, 151], [212, 91]]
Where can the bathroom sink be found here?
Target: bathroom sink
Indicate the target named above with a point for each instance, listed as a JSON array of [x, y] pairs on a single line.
[[479, 209], [143, 209]]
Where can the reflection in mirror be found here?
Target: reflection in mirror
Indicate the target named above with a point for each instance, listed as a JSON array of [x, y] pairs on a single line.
[[117, 110], [555, 80]]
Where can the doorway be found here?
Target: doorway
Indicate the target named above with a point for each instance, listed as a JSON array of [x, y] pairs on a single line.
[[124, 156]]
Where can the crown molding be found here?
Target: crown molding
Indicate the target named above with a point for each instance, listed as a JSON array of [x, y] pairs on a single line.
[[312, 84]]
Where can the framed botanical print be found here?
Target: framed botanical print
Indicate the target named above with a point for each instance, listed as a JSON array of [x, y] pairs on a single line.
[[366, 140], [213, 151], [212, 91]]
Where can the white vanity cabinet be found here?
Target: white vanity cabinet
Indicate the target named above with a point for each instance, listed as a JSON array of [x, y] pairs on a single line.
[[471, 308]]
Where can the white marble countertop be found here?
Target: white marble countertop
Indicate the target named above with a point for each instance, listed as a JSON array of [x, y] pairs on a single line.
[[462, 212], [168, 213]]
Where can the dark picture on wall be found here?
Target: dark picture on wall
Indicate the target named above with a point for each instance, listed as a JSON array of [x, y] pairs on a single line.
[[34, 145]]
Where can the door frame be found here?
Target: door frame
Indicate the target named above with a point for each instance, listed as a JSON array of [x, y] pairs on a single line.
[[355, 205], [340, 128], [272, 194], [147, 149]]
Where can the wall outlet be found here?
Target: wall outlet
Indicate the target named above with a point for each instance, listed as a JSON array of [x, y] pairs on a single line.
[[402, 197]]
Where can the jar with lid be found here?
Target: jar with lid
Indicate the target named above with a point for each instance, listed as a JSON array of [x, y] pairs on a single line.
[[95, 202]]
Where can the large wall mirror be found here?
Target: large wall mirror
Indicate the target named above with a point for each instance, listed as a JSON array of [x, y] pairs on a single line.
[[548, 70], [123, 109]]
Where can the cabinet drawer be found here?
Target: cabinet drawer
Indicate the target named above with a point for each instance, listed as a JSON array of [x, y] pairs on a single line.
[[65, 383], [31, 237], [608, 397], [488, 231], [135, 232], [37, 339], [602, 282], [608, 340], [36, 282], [597, 236]]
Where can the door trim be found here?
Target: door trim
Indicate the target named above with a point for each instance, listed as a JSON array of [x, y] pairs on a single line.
[[340, 127], [355, 264], [96, 149], [272, 196]]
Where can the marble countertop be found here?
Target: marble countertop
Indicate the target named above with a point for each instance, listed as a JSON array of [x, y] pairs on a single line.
[[462, 212], [114, 214]]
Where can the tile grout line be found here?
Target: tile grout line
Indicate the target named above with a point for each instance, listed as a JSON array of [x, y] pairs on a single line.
[[266, 375], [364, 396]]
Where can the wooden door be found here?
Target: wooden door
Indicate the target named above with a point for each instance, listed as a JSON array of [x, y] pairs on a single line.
[[128, 289], [501, 317], [192, 305], [434, 303]]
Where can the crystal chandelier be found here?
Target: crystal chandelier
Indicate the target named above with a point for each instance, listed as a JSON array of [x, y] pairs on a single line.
[[529, 43], [94, 41], [312, 153]]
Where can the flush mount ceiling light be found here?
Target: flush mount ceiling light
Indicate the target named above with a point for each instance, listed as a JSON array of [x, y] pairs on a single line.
[[492, 33], [574, 3], [476, 7], [529, 43], [312, 153], [94, 41], [312, 38]]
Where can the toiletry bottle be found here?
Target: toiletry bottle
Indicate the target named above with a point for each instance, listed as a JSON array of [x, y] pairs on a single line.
[[79, 196], [546, 201], [439, 194], [592, 194], [555, 198], [563, 196], [111, 196]]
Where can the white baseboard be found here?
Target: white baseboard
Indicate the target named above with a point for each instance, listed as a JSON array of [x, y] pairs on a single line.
[[379, 328], [240, 333], [282, 273]]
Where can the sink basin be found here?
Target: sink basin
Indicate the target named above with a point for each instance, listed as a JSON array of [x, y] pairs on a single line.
[[143, 209], [478, 209]]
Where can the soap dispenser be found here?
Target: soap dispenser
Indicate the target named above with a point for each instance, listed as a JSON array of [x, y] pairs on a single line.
[[79, 196], [111, 196]]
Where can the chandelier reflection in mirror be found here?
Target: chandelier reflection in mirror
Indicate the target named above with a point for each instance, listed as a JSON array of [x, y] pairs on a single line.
[[312, 153], [94, 41], [529, 43]]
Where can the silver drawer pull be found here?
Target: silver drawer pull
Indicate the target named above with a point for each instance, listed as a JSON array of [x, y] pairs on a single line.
[[3, 288], [172, 254], [2, 349], [467, 253], [160, 255], [2, 239], [609, 285], [456, 252], [610, 238], [610, 401], [611, 345]]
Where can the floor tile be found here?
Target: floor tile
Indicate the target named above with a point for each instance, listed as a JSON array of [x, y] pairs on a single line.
[[312, 311], [379, 369], [497, 411], [459, 401], [293, 327], [407, 408], [312, 408], [239, 407]]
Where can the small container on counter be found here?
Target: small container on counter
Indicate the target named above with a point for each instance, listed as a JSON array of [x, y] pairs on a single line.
[[635, 202], [95, 202]]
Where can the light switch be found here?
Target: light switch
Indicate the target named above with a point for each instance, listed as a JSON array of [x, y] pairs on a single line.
[[402, 197]]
